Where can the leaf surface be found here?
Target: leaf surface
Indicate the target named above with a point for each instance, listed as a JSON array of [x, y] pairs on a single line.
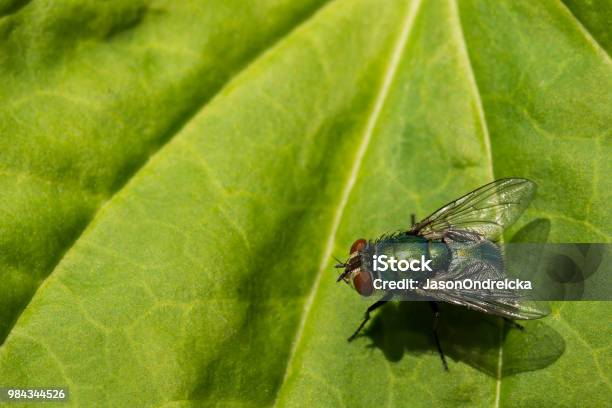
[[89, 92], [207, 278]]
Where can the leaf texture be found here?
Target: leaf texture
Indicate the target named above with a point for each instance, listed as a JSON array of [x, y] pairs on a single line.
[[205, 277]]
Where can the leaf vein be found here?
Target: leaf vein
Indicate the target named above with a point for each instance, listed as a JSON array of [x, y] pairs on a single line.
[[408, 24], [583, 30]]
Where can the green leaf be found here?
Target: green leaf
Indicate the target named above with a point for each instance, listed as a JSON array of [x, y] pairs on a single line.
[[90, 91], [595, 16], [205, 277]]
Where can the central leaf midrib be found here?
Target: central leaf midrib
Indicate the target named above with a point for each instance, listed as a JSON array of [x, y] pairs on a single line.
[[379, 101], [456, 16], [589, 38]]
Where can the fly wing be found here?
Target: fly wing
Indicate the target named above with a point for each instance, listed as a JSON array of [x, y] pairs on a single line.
[[486, 211], [511, 308], [501, 302]]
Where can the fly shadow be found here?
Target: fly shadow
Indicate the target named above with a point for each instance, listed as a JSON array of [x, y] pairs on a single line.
[[468, 336]]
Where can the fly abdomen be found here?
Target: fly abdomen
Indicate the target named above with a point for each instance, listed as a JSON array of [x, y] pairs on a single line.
[[440, 255], [484, 254]]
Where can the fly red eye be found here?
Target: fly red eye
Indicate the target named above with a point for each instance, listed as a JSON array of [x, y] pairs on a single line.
[[363, 283], [358, 245]]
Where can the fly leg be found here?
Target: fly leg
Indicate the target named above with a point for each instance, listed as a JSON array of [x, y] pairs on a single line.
[[514, 324], [373, 307], [436, 315]]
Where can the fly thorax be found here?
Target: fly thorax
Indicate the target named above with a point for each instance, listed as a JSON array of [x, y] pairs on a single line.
[[409, 258]]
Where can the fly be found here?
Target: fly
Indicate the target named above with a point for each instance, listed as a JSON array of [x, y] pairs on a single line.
[[473, 221]]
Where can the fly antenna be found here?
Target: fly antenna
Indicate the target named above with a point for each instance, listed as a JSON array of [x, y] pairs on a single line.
[[340, 264]]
